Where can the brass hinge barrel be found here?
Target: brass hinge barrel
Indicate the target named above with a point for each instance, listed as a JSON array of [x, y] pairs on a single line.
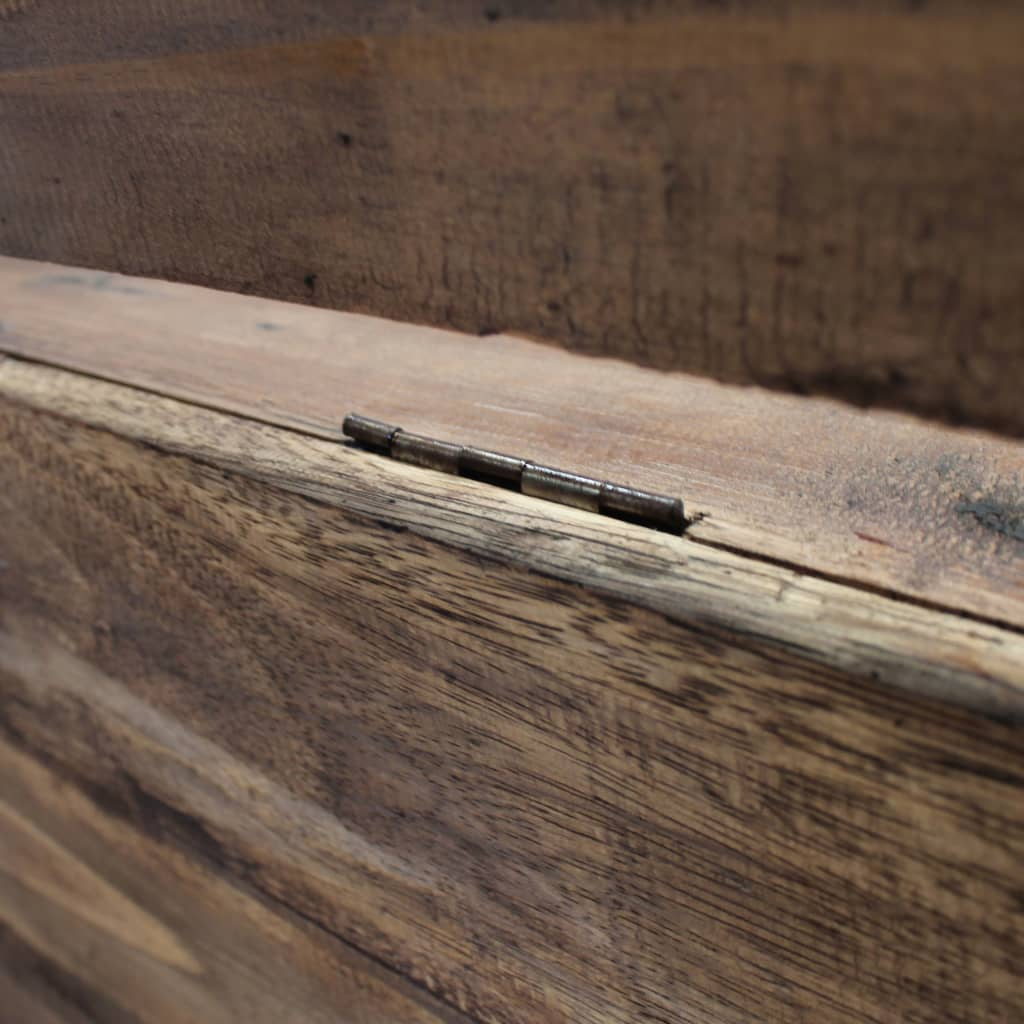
[[657, 511]]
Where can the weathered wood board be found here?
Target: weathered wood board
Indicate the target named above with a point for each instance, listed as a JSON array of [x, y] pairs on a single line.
[[104, 920], [881, 501], [698, 788], [810, 195]]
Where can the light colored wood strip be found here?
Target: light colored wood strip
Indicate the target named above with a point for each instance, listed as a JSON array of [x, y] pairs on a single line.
[[928, 513]]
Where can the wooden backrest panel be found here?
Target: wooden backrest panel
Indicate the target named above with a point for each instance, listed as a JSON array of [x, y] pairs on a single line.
[[813, 196]]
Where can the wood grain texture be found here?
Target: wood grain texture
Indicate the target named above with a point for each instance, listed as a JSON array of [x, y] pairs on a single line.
[[353, 691], [808, 195], [902, 645], [102, 921], [879, 500]]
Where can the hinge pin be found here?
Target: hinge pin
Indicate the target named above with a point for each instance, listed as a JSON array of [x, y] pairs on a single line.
[[657, 511]]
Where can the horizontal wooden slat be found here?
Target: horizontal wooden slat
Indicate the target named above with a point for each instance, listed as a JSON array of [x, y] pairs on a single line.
[[814, 195], [902, 645], [881, 500], [648, 797]]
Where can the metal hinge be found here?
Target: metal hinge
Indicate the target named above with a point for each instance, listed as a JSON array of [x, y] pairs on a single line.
[[656, 511]]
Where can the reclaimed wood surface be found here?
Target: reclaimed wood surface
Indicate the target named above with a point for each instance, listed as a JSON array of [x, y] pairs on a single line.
[[101, 920], [806, 194], [881, 501], [381, 697], [895, 642]]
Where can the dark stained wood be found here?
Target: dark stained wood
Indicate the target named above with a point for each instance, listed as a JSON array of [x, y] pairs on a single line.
[[811, 195], [881, 500], [541, 801], [31, 989], [103, 921]]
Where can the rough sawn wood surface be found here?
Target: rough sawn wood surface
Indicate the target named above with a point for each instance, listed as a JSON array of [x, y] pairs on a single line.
[[811, 195]]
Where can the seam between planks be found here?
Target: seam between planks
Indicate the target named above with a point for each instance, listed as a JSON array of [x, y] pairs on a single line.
[[747, 603], [694, 515]]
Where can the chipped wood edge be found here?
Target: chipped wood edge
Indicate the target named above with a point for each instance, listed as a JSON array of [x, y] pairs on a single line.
[[894, 643]]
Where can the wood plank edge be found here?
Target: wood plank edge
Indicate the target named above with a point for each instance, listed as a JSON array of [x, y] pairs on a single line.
[[148, 333], [877, 639]]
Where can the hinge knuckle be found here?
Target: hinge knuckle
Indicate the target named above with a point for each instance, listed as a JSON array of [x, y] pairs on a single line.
[[491, 467], [371, 434], [426, 452], [565, 488]]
